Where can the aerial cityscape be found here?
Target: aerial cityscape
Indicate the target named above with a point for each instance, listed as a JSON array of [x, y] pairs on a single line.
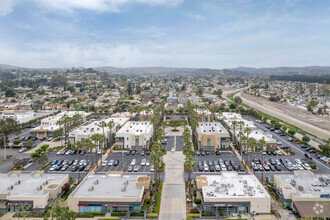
[[164, 109]]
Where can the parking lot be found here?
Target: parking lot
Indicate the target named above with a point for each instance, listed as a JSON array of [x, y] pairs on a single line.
[[228, 159], [173, 140], [124, 162], [323, 168], [54, 156]]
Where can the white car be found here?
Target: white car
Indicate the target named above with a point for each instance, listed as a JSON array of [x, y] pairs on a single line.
[[68, 152], [59, 152], [166, 135], [133, 162], [143, 162], [172, 149], [52, 168], [99, 152], [104, 163], [206, 168], [223, 167], [76, 162], [152, 168], [22, 149], [300, 167], [297, 161], [279, 143], [147, 163], [111, 162]]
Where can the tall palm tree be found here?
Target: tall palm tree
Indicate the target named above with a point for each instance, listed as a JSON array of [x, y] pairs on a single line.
[[65, 120], [263, 143], [233, 124], [252, 143], [189, 164], [97, 139], [78, 146], [247, 131], [103, 125], [89, 146], [155, 159], [243, 140], [111, 124]]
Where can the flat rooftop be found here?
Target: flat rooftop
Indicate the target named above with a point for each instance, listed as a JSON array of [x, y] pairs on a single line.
[[232, 185], [306, 183], [259, 134], [211, 128], [25, 184], [231, 115], [136, 127], [109, 187]]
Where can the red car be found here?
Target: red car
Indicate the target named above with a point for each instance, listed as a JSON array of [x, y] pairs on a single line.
[[312, 151]]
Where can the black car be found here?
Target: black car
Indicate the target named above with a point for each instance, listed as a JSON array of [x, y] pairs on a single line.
[[200, 168], [203, 153], [272, 129], [308, 156], [59, 162], [272, 168], [217, 152], [269, 152], [278, 168], [304, 146], [143, 153], [58, 168], [82, 152], [133, 152], [82, 167], [148, 152], [116, 163], [274, 153], [198, 153], [211, 168], [74, 168]]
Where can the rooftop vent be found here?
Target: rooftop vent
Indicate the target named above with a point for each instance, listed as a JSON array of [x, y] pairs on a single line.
[[96, 182], [91, 188], [39, 188], [18, 182], [126, 182], [45, 183], [300, 188], [10, 187], [123, 189]]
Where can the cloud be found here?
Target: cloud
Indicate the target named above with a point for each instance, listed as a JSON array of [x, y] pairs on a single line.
[[6, 6]]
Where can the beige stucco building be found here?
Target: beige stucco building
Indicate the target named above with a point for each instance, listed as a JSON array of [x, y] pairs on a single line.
[[113, 192], [212, 136], [29, 191], [231, 193]]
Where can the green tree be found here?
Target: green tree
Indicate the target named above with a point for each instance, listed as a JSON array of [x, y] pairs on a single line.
[[175, 123], [238, 100], [78, 146], [43, 159], [155, 159], [306, 138], [58, 211], [292, 132], [97, 139], [65, 122], [8, 126], [189, 164]]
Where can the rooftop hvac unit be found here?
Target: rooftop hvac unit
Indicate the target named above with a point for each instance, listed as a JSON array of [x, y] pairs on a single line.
[[39, 188], [45, 183], [126, 182], [18, 182], [96, 182], [300, 188], [321, 179], [10, 187], [123, 189], [91, 188], [293, 182]]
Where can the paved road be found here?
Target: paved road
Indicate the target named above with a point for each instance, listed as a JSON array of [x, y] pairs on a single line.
[[173, 202]]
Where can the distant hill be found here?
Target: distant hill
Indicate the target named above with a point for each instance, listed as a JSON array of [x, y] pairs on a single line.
[[308, 70], [238, 71]]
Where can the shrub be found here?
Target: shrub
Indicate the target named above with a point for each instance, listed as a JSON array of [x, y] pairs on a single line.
[[292, 132], [313, 166], [306, 139], [207, 214], [137, 214], [197, 201], [193, 215], [16, 141], [118, 213], [158, 198], [152, 215]]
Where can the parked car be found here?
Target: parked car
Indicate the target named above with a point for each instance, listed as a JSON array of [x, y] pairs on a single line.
[[206, 168], [148, 152], [74, 168], [54, 162], [65, 167], [133, 162], [152, 168], [111, 162], [143, 162], [128, 152], [22, 150], [116, 163], [104, 163], [143, 153], [130, 168], [198, 153], [133, 152], [136, 168]]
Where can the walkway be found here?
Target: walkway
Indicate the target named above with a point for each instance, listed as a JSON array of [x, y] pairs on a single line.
[[173, 203]]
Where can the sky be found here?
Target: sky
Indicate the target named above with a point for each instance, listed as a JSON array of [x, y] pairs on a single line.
[[171, 33]]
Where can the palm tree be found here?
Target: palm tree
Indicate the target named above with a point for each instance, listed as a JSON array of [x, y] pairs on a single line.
[[263, 143], [243, 140], [233, 124], [97, 139], [89, 146], [252, 143], [111, 124], [78, 145], [155, 159], [189, 164], [103, 125], [65, 121], [7, 127], [76, 118], [248, 131]]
